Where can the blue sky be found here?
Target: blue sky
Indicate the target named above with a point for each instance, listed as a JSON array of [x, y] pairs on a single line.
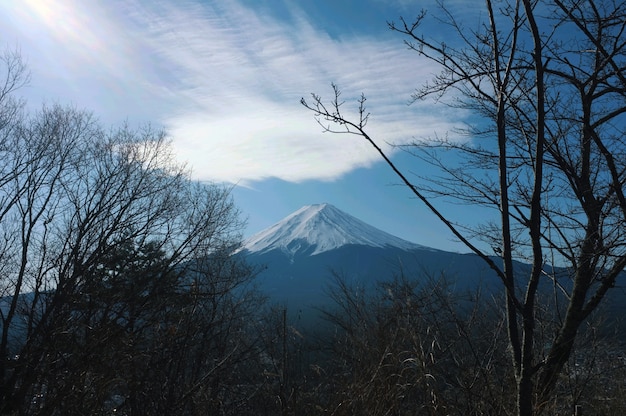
[[224, 78]]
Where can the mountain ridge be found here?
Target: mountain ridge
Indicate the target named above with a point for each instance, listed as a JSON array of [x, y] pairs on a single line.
[[318, 228]]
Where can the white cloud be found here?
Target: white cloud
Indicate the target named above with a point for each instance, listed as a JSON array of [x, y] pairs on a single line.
[[226, 82]]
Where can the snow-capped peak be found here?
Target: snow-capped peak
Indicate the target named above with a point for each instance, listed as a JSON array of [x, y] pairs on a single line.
[[319, 228]]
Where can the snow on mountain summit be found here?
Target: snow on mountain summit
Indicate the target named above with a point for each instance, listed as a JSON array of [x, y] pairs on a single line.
[[321, 227]]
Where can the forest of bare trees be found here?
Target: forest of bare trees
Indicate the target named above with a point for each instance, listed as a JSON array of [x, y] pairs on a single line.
[[121, 291], [118, 288]]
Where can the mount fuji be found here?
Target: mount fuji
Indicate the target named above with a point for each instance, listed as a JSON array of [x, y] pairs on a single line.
[[300, 256], [315, 229]]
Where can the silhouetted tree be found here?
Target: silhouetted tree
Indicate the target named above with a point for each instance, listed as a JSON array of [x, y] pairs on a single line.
[[546, 82], [119, 288], [416, 346]]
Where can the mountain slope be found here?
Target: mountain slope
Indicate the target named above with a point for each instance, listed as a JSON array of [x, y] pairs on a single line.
[[315, 229], [300, 255]]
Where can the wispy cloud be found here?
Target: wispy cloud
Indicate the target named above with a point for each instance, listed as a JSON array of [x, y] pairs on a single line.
[[226, 80]]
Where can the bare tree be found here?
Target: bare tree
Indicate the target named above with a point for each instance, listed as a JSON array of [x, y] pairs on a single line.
[[547, 80], [141, 337], [118, 288], [416, 346]]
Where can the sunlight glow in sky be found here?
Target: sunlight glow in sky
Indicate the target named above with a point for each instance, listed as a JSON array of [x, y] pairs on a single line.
[[225, 79]]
